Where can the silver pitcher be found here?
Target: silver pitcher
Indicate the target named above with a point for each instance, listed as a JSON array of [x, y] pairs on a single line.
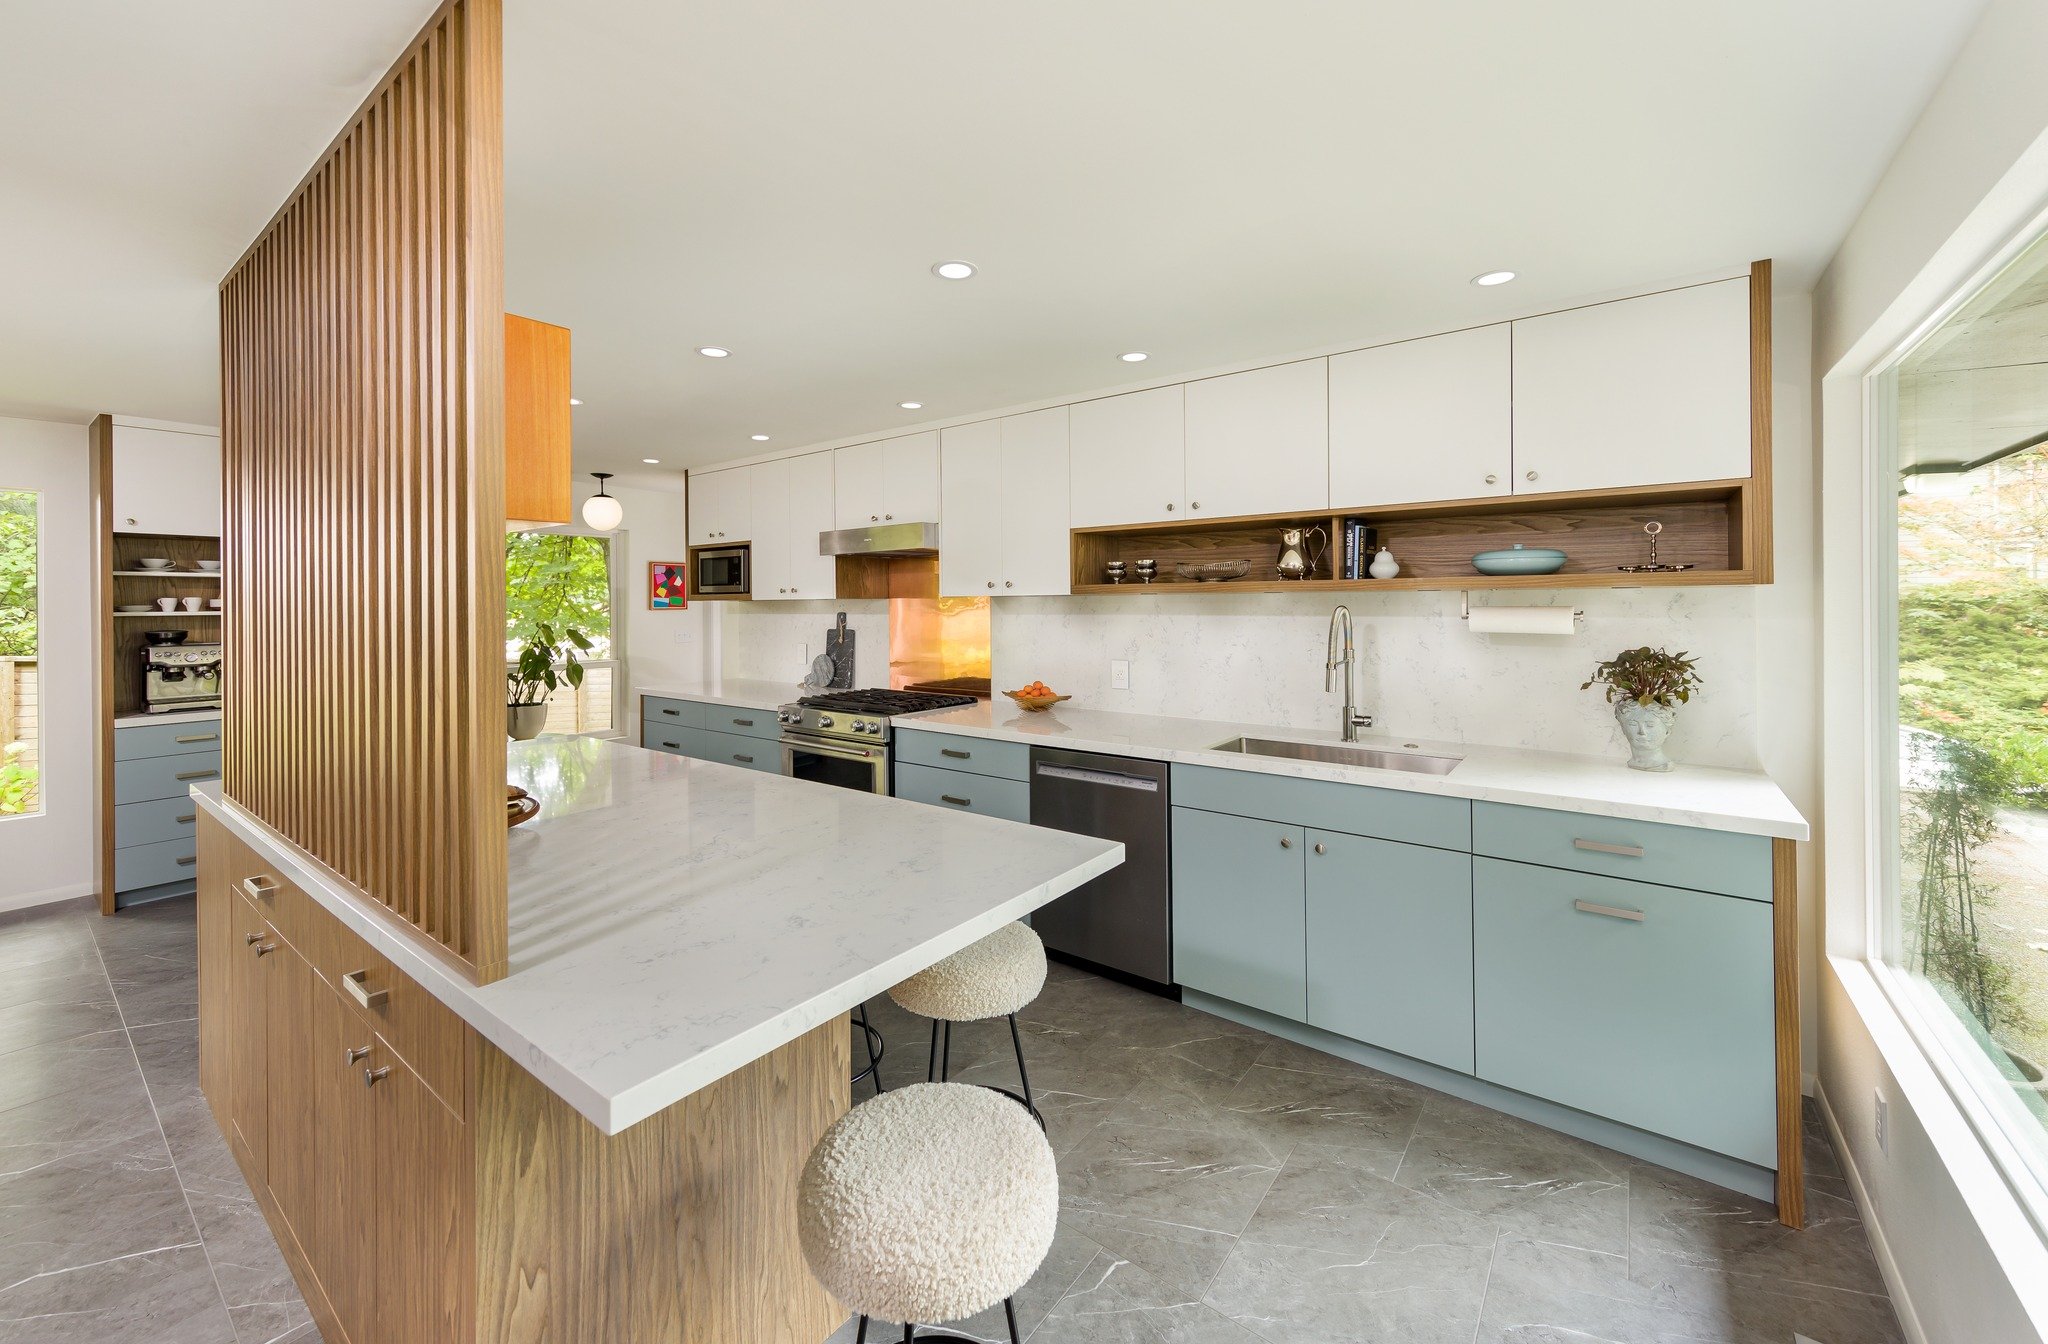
[[1297, 559]]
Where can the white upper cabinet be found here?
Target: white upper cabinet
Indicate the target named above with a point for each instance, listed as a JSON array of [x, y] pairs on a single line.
[[166, 481], [1004, 499], [768, 496], [888, 481], [1645, 391], [1423, 420], [1130, 459], [792, 504], [720, 507], [1259, 442]]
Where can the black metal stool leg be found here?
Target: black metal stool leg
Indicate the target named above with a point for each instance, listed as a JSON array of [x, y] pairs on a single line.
[[931, 1072], [1010, 1311], [946, 1058], [1023, 1075], [860, 1336], [876, 1048]]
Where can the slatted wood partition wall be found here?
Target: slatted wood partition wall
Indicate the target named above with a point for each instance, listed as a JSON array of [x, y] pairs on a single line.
[[362, 388]]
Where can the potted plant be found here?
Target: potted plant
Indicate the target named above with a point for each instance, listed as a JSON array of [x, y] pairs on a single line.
[[533, 677], [1646, 686]]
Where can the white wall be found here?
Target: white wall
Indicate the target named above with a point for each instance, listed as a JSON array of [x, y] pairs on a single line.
[[1963, 1263], [775, 641], [667, 645], [50, 856]]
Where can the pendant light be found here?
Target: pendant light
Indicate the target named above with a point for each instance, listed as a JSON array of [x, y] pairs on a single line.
[[601, 511]]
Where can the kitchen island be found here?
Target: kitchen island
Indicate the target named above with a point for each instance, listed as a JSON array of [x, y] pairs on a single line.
[[604, 1143]]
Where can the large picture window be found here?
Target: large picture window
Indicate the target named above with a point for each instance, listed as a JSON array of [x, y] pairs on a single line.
[[1963, 660], [20, 703], [566, 580]]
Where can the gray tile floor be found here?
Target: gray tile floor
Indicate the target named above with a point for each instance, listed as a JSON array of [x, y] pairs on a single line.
[[1218, 1186]]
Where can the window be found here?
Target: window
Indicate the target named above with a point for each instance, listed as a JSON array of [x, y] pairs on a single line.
[[1962, 653], [566, 581], [20, 731]]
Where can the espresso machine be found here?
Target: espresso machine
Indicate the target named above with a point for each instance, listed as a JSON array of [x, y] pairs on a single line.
[[180, 676]]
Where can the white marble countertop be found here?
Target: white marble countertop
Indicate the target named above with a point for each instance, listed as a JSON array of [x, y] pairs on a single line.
[[673, 919], [1744, 801], [739, 692], [169, 716]]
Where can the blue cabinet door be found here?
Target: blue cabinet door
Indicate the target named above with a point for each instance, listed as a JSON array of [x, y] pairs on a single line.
[[1649, 1005], [1390, 946], [1238, 910]]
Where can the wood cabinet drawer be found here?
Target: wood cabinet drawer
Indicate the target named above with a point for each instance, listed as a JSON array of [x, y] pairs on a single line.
[[166, 739], [1356, 809], [983, 795], [976, 755], [149, 823], [745, 722], [140, 781], [286, 908], [677, 713], [1643, 851], [140, 866], [424, 1032], [1649, 1005]]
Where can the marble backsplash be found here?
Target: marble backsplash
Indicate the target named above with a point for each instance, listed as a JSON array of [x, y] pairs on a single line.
[[775, 641]]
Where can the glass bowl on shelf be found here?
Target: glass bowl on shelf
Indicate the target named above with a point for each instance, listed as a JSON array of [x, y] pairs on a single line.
[[1212, 571]]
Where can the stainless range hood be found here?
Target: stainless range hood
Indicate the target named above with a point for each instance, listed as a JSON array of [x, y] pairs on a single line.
[[882, 539]]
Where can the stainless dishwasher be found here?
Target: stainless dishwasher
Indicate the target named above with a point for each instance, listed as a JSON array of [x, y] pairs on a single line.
[[1123, 919]]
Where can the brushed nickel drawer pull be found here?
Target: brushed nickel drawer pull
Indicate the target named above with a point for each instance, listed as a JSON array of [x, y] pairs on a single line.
[[197, 737], [355, 983], [1602, 847], [356, 1053], [265, 949], [673, 746], [187, 860], [957, 802], [259, 887], [1611, 911], [188, 818], [251, 939], [1286, 842], [743, 723], [1320, 849], [956, 755], [372, 1077], [196, 774], [672, 712], [743, 760]]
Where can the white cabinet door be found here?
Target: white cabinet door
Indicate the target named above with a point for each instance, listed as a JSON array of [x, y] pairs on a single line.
[[166, 482], [973, 505], [768, 495], [719, 507], [1259, 442], [1130, 459], [811, 511], [910, 478], [1423, 420], [1032, 504], [857, 484], [1644, 391]]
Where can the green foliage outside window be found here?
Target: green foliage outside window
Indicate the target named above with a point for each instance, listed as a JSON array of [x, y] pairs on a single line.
[[1973, 665], [17, 574], [560, 582]]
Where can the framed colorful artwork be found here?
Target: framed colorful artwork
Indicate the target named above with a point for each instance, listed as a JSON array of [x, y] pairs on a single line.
[[665, 586]]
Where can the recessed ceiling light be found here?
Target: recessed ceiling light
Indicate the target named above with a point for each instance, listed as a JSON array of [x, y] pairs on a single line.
[[713, 351], [953, 270], [575, 401], [1134, 357], [651, 461], [1493, 278], [911, 405], [759, 438]]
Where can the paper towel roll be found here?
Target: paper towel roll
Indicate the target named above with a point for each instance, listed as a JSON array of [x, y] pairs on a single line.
[[1522, 621]]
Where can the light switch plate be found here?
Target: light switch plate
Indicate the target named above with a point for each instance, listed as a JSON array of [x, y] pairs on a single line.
[[1119, 674]]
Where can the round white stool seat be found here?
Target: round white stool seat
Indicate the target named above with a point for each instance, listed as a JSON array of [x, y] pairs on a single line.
[[929, 1203], [995, 977]]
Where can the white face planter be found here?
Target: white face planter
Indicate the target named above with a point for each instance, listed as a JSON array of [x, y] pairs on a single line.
[[1646, 727]]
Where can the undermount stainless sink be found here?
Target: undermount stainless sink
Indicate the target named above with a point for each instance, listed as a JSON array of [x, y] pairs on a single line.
[[1331, 753]]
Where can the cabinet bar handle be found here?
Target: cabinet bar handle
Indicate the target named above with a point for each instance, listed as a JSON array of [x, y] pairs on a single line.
[[956, 755], [743, 723], [195, 774], [355, 983], [1602, 847], [671, 712], [198, 737], [957, 802], [356, 1053], [259, 887], [743, 760], [187, 860], [372, 1077], [188, 818], [673, 746], [1611, 911]]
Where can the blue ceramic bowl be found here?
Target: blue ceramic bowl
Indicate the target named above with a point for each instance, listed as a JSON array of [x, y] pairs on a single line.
[[1520, 560]]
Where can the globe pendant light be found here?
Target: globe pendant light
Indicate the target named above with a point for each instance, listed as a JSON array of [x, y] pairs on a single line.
[[601, 511]]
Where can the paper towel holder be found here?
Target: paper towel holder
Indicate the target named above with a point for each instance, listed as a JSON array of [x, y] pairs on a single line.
[[1465, 608]]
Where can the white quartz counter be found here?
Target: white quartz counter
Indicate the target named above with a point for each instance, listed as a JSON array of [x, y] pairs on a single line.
[[143, 717], [1744, 801], [739, 692], [673, 919]]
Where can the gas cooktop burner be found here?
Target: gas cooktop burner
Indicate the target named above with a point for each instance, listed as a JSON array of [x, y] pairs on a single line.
[[883, 702]]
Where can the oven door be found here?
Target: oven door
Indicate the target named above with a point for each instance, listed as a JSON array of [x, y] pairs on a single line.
[[863, 767]]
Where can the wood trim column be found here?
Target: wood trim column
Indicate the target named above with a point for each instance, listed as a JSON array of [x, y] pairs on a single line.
[[1791, 1074]]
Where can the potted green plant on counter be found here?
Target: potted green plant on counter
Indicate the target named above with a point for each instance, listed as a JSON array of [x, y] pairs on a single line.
[[534, 676], [1646, 686]]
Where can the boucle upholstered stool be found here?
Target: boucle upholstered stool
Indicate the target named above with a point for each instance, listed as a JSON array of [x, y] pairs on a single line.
[[928, 1204], [996, 977]]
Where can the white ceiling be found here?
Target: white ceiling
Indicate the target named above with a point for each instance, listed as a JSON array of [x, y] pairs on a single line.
[[1209, 180]]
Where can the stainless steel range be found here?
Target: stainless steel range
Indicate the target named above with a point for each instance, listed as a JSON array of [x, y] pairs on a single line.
[[842, 737]]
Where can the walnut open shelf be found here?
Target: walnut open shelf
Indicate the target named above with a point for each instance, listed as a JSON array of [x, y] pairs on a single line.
[[1710, 525]]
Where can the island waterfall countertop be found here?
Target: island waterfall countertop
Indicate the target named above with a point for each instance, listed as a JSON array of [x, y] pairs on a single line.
[[1744, 801], [672, 919]]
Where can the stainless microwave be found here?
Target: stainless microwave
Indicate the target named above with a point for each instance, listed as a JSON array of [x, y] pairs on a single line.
[[720, 571]]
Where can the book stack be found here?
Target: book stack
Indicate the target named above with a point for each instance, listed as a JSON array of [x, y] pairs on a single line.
[[1360, 541]]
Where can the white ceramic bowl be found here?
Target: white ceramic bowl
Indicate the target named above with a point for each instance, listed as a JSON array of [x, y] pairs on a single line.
[[153, 563], [210, 566]]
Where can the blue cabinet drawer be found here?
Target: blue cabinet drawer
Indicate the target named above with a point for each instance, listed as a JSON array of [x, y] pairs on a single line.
[[751, 753], [153, 865], [163, 776], [150, 823], [1356, 809], [1643, 851], [1645, 1004], [745, 722], [673, 738], [166, 739], [677, 713], [976, 755], [1238, 910], [986, 795]]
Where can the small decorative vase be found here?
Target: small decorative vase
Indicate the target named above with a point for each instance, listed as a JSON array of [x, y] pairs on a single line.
[[1384, 566], [1645, 727], [524, 722]]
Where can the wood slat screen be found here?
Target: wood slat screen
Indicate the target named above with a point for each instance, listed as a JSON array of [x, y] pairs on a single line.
[[362, 388]]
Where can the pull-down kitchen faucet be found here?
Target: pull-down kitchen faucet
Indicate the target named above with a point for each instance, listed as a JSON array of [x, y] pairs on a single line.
[[1353, 720]]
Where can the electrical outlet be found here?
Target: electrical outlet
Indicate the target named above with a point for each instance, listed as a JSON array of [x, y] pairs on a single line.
[[1119, 674], [1884, 1124]]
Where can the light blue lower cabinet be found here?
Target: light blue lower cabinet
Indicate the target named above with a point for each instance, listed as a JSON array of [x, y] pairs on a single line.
[[959, 791], [1646, 1004], [1239, 909], [1389, 946], [673, 738], [747, 752]]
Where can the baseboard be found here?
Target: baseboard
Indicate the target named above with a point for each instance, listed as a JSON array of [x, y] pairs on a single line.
[[28, 900], [1887, 1264]]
